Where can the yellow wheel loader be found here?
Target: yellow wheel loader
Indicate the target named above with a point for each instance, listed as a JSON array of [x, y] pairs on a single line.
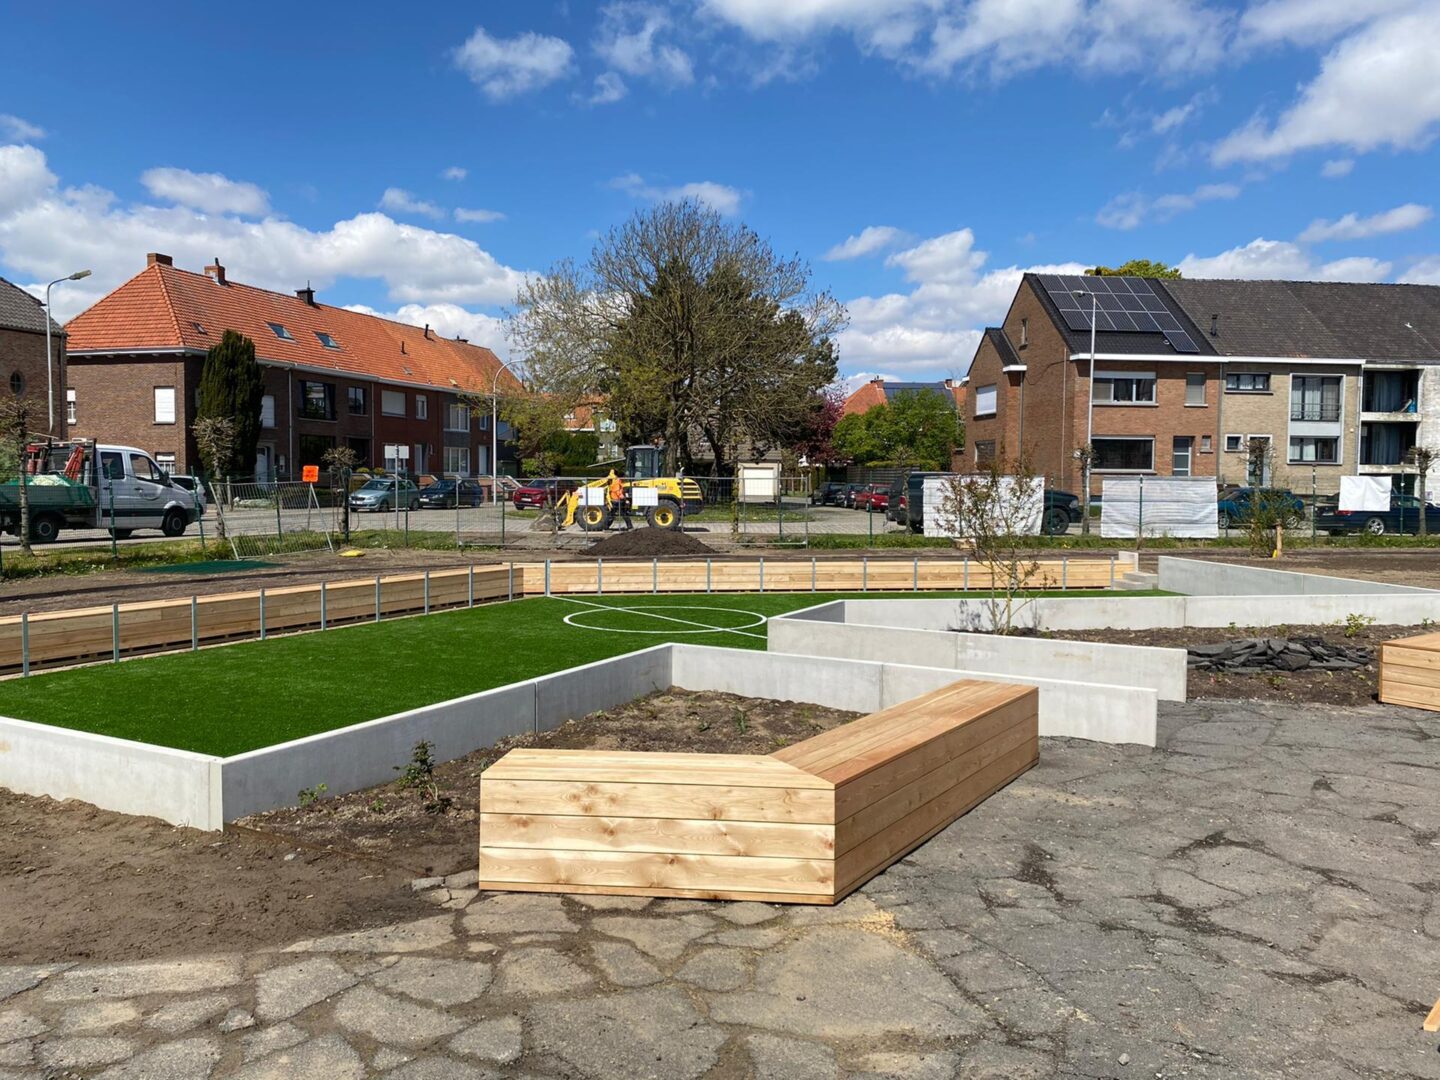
[[676, 496]]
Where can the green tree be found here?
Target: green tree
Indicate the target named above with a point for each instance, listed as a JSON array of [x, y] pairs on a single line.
[[1137, 268], [918, 429], [231, 386]]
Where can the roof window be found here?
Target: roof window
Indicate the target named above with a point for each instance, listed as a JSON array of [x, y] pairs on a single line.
[[280, 331], [326, 340], [199, 329]]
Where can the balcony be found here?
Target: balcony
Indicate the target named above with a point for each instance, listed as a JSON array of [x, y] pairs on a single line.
[[1327, 412], [1386, 444], [1390, 392]]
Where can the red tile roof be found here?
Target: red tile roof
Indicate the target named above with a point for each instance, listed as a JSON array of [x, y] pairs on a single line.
[[877, 392], [164, 308]]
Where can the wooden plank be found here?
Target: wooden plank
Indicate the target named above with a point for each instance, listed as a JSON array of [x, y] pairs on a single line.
[[649, 869], [824, 898], [686, 836], [657, 800], [1432, 1022], [1401, 654], [645, 767]]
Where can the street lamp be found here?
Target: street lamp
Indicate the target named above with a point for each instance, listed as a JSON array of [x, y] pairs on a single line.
[[1090, 404], [49, 356], [495, 431]]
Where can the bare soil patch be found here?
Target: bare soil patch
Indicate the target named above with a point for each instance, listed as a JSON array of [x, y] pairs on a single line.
[[649, 542], [402, 827]]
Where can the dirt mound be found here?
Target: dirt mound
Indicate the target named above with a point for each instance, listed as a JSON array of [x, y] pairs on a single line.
[[650, 542]]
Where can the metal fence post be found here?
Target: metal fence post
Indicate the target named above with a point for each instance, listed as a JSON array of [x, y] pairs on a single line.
[[1140, 517], [511, 595], [25, 642], [1313, 497], [917, 574], [279, 527], [262, 614], [115, 632], [377, 597], [654, 575], [1112, 571], [427, 590], [707, 575], [547, 577], [812, 573], [865, 574], [323, 612], [1064, 572], [965, 576], [470, 587], [195, 622], [762, 573]]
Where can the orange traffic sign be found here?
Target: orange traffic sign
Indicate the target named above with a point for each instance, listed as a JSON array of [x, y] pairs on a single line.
[[310, 474]]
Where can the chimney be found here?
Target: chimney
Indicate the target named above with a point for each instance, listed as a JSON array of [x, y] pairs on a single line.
[[1214, 325], [216, 271], [154, 258], [877, 381], [427, 329], [307, 294]]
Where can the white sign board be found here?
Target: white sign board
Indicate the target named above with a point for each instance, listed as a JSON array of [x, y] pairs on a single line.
[[1015, 509], [642, 497], [1162, 505], [1365, 493], [397, 451], [592, 496]]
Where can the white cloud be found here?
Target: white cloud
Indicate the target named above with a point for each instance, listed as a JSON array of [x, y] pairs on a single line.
[[47, 230], [399, 201], [768, 20], [871, 239], [1309, 22], [478, 217], [609, 88], [449, 320], [1133, 209], [1336, 168], [629, 39], [1424, 272], [506, 67], [1281, 259], [945, 259], [210, 192], [1354, 227], [20, 130], [719, 197], [1376, 88], [454, 172], [852, 382]]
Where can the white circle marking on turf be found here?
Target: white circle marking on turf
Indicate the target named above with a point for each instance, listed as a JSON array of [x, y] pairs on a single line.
[[660, 613]]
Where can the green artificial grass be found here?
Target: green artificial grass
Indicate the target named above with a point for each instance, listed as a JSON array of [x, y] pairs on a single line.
[[233, 698]]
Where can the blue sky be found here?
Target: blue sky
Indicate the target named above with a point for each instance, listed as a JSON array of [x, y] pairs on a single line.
[[921, 153]]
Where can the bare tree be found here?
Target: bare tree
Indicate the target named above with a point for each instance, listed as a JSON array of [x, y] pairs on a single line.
[[1085, 457], [999, 510], [15, 434], [341, 462], [1423, 458], [215, 439]]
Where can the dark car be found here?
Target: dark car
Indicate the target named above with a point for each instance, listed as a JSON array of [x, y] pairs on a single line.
[[449, 494], [1275, 505], [538, 494], [1402, 517], [848, 499], [828, 495], [1062, 509]]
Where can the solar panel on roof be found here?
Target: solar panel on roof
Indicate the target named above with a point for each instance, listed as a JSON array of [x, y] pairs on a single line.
[[1123, 305], [1180, 342]]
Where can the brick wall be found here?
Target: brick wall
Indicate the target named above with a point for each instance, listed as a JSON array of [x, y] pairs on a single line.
[[115, 403], [1251, 413], [23, 353], [1047, 422], [1002, 429]]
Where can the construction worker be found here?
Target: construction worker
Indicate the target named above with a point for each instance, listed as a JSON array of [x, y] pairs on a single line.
[[618, 502]]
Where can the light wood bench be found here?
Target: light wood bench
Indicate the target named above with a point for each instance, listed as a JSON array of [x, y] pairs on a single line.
[[1410, 672], [805, 825]]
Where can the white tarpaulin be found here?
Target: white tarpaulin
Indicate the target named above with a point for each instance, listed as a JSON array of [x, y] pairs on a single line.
[[1365, 493], [1170, 506], [1022, 510]]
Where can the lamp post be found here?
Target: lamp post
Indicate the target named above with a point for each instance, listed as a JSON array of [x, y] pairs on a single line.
[[1089, 403], [495, 431], [49, 356]]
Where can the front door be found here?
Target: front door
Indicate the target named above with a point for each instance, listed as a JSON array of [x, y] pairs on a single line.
[[264, 467], [1180, 455]]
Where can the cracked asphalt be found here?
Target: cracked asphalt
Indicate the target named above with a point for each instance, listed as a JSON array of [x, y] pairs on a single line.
[[1258, 897]]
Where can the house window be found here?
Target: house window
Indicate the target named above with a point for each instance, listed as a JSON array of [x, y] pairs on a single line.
[[457, 418], [1247, 382], [985, 452], [17, 383], [457, 460], [164, 404], [1315, 398], [1195, 388], [1125, 388], [166, 462], [422, 407], [356, 398], [326, 340], [1024, 332], [1234, 443], [267, 411], [1135, 454], [70, 405], [392, 402], [362, 451], [280, 331], [317, 402], [312, 448], [1318, 451], [984, 401], [1181, 449], [1205, 447]]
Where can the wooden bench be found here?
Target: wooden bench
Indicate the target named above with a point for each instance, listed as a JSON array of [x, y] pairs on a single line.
[[805, 825], [1410, 672]]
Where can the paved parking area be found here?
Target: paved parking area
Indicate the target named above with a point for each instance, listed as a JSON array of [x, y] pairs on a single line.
[[1257, 897]]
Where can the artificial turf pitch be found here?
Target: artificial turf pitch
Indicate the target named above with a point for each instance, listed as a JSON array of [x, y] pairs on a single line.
[[233, 698]]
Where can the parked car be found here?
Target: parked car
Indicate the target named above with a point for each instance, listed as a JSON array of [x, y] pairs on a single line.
[[830, 494], [1402, 517], [538, 494], [386, 493], [1237, 505], [1062, 509], [452, 493], [905, 505], [192, 484], [872, 498], [848, 499]]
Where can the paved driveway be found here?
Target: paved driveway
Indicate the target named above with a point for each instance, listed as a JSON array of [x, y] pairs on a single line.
[[1259, 897]]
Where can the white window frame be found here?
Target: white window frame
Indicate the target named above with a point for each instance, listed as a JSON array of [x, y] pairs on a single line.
[[387, 397], [1126, 438], [447, 463], [1291, 459], [1108, 379], [164, 400], [166, 461], [1238, 375], [267, 411], [1191, 385], [70, 405], [1189, 455], [981, 393], [1239, 447], [422, 407], [455, 409]]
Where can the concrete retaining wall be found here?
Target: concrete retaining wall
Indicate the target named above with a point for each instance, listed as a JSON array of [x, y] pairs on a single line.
[[1202, 577], [114, 774]]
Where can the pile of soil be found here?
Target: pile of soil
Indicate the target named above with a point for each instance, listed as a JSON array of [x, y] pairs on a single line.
[[398, 826], [649, 543]]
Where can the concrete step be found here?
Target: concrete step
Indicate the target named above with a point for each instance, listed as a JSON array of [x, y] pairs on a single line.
[[1138, 579]]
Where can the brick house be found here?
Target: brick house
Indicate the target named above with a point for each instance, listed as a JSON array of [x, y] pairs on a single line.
[[332, 376], [1337, 378], [22, 358], [879, 391]]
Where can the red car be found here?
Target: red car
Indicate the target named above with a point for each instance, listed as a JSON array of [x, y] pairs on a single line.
[[538, 494], [873, 497]]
